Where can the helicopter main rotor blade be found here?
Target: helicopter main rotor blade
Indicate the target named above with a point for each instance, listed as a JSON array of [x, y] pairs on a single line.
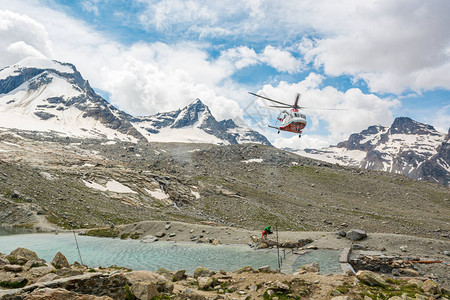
[[279, 106], [296, 99], [270, 99], [320, 108]]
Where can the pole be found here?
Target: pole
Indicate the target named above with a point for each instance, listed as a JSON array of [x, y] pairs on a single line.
[[278, 250], [78, 248]]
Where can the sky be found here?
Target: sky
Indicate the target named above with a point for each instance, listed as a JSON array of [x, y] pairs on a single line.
[[378, 60]]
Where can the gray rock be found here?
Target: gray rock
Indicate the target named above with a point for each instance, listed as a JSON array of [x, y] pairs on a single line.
[[371, 278], [13, 268], [47, 277], [202, 272], [204, 282], [167, 227], [149, 239], [60, 261], [358, 247], [160, 234], [356, 234], [28, 254], [172, 234], [342, 233]]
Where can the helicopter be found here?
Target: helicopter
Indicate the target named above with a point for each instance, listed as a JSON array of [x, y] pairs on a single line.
[[293, 120]]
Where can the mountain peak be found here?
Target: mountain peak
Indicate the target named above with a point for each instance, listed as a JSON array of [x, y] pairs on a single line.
[[44, 64], [405, 125]]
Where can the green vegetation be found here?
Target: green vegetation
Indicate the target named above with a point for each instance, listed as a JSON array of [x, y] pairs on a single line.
[[103, 232], [129, 294], [13, 285], [394, 288]]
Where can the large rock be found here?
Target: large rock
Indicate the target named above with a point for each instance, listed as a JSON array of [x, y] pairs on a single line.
[[47, 277], [429, 286], [204, 282], [203, 272], [147, 284], [60, 294], [3, 261], [310, 268], [356, 234], [13, 268], [370, 278], [60, 261], [25, 253]]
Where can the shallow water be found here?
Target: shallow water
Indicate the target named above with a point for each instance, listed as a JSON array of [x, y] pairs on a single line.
[[328, 261], [140, 256], [152, 256]]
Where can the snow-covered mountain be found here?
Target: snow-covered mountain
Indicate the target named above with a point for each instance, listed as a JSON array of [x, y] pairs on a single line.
[[44, 95], [407, 147], [195, 123]]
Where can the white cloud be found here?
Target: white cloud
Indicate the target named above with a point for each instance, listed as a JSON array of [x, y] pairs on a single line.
[[281, 60], [22, 36], [392, 45]]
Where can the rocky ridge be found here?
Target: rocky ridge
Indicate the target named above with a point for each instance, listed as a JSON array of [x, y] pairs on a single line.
[[407, 147], [52, 96]]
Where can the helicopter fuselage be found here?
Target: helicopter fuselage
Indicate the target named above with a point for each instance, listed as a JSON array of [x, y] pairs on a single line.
[[293, 121]]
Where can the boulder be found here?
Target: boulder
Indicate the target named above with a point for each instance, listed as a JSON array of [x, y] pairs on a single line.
[[290, 244], [160, 234], [28, 254], [166, 273], [409, 272], [203, 272], [356, 234], [310, 268], [264, 269], [204, 282], [216, 242], [47, 277], [149, 239], [303, 242], [3, 261], [147, 284], [61, 294], [243, 269], [370, 278], [358, 247], [60, 261], [429, 286], [13, 282], [180, 274], [342, 233], [13, 268]]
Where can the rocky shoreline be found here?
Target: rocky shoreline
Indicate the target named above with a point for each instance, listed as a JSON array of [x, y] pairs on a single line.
[[387, 266], [25, 276]]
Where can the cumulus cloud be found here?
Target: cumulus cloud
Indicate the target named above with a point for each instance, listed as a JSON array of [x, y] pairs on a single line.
[[22, 36], [281, 60], [393, 46]]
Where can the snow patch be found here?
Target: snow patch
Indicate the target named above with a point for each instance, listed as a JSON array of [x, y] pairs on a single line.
[[111, 186], [253, 160], [158, 194]]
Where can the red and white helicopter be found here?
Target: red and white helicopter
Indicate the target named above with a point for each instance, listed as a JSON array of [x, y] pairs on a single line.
[[293, 120]]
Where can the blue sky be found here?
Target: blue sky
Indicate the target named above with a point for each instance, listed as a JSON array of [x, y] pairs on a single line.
[[379, 59]]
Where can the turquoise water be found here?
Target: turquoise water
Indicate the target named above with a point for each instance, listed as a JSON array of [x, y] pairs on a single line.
[[328, 261], [140, 256], [169, 255]]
